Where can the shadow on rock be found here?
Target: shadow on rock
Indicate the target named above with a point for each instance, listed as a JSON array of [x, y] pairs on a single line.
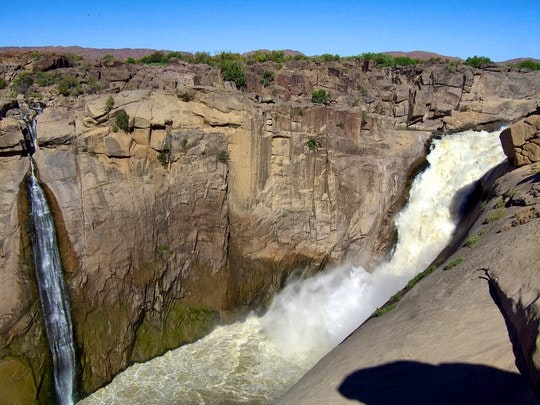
[[409, 382]]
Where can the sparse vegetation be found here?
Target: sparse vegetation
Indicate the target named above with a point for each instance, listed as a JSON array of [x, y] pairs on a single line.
[[499, 203], [320, 96], [69, 86], [94, 85], [340, 125], [164, 157], [185, 96], [472, 240], [392, 302], [268, 78], [478, 61], [44, 79], [362, 90], [453, 263], [3, 83], [107, 60], [223, 156], [313, 143], [184, 144], [22, 83], [109, 103], [495, 215], [122, 120]]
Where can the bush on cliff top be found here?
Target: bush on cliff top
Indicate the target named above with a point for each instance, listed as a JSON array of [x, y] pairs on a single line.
[[477, 61], [233, 71]]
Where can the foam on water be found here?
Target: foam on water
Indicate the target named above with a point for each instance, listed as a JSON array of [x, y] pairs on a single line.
[[256, 361]]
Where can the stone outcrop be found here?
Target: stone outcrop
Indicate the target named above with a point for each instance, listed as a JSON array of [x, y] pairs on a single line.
[[521, 141], [212, 197], [473, 325]]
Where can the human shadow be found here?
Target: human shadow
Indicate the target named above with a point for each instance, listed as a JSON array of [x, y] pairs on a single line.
[[411, 382]]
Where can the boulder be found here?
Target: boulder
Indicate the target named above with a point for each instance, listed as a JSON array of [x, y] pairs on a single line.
[[55, 126], [521, 141], [117, 144], [10, 134]]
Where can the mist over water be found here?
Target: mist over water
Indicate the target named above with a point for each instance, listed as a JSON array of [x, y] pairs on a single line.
[[256, 361]]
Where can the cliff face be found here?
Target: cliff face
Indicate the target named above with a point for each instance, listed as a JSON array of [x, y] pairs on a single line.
[[213, 196]]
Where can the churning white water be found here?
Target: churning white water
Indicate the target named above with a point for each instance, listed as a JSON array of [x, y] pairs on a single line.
[[255, 361]]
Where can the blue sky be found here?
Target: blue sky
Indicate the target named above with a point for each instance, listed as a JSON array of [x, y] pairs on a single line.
[[498, 29]]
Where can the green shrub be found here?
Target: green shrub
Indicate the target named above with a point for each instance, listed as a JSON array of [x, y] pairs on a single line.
[[477, 61], [327, 57], [164, 158], [155, 58], [69, 86], [3, 83], [362, 90], [109, 103], [233, 71], [499, 203], [453, 263], [22, 83], [495, 215], [107, 59], [529, 64], [268, 78], [131, 60], [44, 79], [313, 143], [320, 96], [94, 85], [223, 156], [384, 60], [122, 120], [471, 241]]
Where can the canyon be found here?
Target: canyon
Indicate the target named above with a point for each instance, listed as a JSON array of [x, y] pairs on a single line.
[[213, 196]]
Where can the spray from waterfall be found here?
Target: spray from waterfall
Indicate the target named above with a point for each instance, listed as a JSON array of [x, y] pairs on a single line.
[[52, 288], [256, 361]]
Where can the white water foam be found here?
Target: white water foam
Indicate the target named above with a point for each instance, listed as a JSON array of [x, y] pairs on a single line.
[[256, 361]]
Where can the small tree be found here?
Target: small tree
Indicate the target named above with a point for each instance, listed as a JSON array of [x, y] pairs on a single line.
[[233, 71], [320, 96]]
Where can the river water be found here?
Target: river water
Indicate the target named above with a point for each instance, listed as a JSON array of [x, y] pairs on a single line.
[[256, 361]]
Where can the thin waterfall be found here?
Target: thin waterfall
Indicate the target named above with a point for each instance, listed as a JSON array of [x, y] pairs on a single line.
[[53, 294], [256, 361]]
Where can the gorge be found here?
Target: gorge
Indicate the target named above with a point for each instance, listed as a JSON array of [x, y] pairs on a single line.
[[213, 196]]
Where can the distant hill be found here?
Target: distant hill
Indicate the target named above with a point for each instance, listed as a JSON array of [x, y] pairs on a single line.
[[86, 53], [137, 53], [423, 55]]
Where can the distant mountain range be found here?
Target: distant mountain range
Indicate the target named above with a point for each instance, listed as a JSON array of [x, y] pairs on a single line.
[[137, 53]]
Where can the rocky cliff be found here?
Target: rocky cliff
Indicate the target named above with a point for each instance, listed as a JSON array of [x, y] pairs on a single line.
[[468, 333], [200, 206]]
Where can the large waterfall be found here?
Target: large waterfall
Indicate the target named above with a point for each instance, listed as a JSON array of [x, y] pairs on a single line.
[[256, 361], [52, 288]]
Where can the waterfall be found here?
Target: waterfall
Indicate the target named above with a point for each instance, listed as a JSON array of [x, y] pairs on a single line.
[[52, 288], [256, 361]]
